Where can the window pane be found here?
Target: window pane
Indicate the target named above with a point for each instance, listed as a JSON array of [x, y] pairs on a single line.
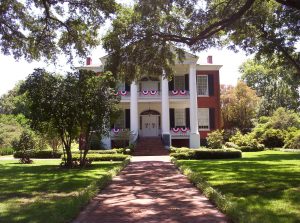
[[203, 118], [179, 83], [179, 117], [120, 122], [202, 85]]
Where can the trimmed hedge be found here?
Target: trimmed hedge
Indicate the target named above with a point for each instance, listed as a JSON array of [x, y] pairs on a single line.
[[6, 151], [102, 157], [109, 151], [198, 154], [219, 199], [40, 154]]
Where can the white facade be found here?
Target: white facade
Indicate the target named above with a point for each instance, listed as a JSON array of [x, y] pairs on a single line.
[[154, 110]]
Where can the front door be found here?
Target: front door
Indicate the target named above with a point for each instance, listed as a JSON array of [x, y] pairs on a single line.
[[150, 125]]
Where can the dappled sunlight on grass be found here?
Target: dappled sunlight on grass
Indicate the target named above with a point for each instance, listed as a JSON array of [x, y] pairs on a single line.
[[42, 192], [265, 185]]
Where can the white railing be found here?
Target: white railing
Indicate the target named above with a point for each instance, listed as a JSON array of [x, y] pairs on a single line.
[[180, 94], [180, 133], [149, 94], [123, 94]]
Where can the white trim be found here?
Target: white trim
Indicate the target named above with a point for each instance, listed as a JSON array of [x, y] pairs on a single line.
[[210, 67]]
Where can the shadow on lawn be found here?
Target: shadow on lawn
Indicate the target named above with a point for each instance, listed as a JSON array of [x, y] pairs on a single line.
[[261, 185], [35, 193]]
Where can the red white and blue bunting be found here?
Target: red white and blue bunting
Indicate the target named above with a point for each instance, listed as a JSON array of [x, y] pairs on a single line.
[[179, 92], [183, 130]]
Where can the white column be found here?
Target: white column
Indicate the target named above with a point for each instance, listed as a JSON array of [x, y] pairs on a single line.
[[134, 119], [165, 111], [194, 134]]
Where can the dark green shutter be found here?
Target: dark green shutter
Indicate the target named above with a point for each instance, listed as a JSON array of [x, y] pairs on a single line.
[[127, 87], [127, 118], [212, 119], [171, 85], [187, 117], [186, 80], [172, 117], [211, 84]]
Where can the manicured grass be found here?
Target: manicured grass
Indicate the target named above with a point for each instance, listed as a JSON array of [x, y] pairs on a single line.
[[262, 186], [42, 192]]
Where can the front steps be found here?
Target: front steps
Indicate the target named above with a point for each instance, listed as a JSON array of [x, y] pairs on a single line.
[[150, 146]]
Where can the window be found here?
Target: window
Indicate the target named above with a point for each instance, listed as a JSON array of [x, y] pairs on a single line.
[[120, 122], [179, 117], [179, 83], [203, 118], [202, 85]]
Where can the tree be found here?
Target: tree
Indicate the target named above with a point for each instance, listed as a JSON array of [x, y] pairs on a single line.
[[269, 30], [79, 102], [276, 85], [143, 36], [36, 29], [238, 106], [12, 102]]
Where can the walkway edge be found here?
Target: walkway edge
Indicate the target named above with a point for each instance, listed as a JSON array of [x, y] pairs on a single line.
[[216, 197]]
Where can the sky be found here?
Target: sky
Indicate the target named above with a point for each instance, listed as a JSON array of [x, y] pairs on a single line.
[[13, 71]]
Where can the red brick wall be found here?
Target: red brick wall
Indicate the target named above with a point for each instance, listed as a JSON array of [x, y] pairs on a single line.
[[181, 142], [211, 101]]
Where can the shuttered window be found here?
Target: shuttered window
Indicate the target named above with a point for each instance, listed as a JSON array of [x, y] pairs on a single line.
[[202, 85], [120, 122], [203, 118], [179, 117], [179, 83]]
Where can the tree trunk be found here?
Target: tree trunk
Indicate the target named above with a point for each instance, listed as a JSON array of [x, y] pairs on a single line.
[[69, 162]]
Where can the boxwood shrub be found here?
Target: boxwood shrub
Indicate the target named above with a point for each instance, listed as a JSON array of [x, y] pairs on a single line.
[[109, 151], [39, 154], [6, 151], [102, 157], [198, 154]]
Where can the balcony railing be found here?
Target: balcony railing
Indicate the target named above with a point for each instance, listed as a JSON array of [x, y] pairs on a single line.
[[149, 94], [180, 133], [179, 94], [120, 134]]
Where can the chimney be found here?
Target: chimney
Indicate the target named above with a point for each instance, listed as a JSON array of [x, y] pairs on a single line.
[[88, 61], [209, 59]]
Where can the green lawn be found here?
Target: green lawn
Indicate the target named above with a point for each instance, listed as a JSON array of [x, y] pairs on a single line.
[[42, 192], [264, 185]]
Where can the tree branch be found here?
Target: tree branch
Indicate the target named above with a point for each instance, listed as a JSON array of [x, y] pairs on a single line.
[[291, 3]]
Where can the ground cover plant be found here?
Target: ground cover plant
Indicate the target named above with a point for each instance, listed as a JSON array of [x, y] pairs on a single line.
[[43, 192], [261, 187]]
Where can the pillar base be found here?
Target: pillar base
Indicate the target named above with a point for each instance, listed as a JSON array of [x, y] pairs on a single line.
[[166, 139], [194, 140]]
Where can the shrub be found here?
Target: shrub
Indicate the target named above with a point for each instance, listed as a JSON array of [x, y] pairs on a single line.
[[231, 145], [215, 139], [179, 150], [109, 151], [95, 143], [198, 154], [292, 141], [101, 157], [39, 154], [273, 138], [6, 151], [24, 145], [245, 143]]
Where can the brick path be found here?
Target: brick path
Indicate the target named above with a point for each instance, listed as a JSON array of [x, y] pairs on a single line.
[[150, 192]]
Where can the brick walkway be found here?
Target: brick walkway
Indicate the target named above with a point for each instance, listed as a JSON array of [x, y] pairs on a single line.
[[150, 192]]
